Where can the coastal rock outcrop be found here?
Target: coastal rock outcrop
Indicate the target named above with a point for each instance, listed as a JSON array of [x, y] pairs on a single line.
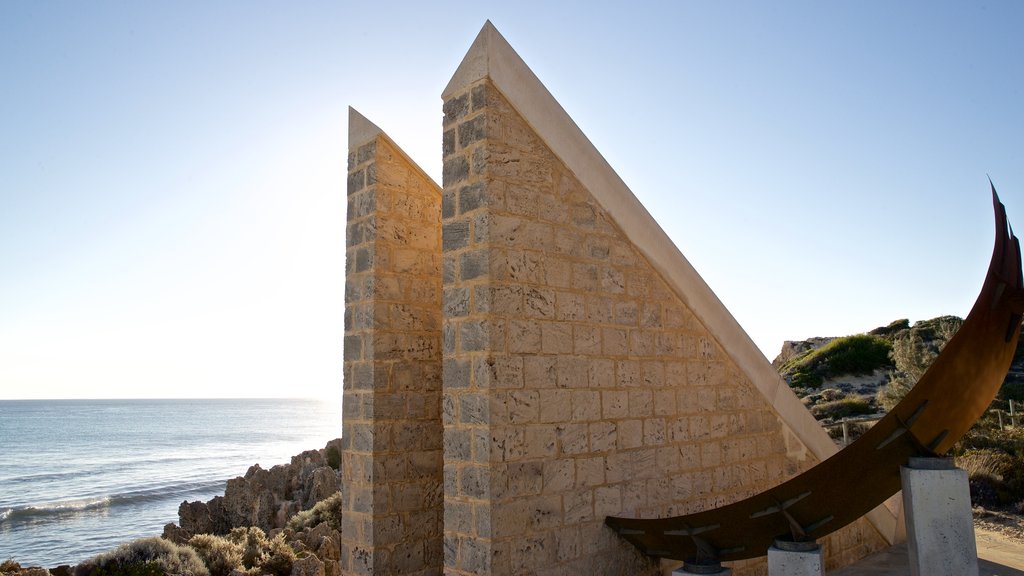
[[12, 568], [794, 348], [265, 498]]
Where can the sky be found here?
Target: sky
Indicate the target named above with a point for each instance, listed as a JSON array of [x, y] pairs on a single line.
[[172, 174]]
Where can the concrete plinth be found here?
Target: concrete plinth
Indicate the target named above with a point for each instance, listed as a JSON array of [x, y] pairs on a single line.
[[795, 559], [692, 569], [940, 529]]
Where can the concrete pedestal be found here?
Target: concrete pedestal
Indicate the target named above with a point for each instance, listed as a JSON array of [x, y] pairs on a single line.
[[689, 569], [940, 529], [795, 559]]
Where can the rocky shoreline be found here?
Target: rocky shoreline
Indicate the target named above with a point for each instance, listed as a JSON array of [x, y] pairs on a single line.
[[285, 521]]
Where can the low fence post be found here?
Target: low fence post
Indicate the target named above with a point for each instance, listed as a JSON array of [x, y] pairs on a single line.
[[1013, 415], [846, 432], [999, 413]]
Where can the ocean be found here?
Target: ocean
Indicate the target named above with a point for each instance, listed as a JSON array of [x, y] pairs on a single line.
[[79, 477]]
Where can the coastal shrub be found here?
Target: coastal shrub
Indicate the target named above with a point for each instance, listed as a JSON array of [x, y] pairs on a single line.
[[987, 471], [986, 434], [253, 542], [145, 557], [858, 355], [279, 557], [10, 565], [327, 510], [994, 461], [333, 457], [1012, 389], [844, 408], [913, 351], [262, 554], [220, 555]]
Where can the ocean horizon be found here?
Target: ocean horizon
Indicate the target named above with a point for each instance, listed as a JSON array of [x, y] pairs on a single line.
[[80, 477]]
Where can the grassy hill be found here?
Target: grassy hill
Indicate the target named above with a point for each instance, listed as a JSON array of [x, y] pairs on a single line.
[[896, 356]]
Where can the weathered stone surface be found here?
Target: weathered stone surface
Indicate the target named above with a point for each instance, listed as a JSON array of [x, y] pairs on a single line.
[[393, 430], [11, 568], [308, 566], [265, 498], [175, 534]]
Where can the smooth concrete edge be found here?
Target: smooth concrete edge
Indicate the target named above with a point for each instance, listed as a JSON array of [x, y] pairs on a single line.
[[491, 56], [474, 65], [360, 130]]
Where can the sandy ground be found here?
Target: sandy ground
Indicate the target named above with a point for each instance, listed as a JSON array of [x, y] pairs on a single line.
[[1006, 525], [1000, 539]]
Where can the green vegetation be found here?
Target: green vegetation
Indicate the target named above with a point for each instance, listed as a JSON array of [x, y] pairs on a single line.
[[913, 351], [857, 355], [994, 461], [992, 456], [254, 545], [145, 557], [842, 408], [220, 555], [279, 557], [333, 457], [327, 510], [244, 550]]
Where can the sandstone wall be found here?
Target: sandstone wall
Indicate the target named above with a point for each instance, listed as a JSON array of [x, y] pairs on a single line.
[[392, 459], [577, 384]]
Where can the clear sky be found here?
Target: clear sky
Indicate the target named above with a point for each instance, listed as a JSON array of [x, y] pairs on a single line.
[[172, 173]]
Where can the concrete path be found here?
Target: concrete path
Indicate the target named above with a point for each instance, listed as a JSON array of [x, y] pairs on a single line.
[[997, 557]]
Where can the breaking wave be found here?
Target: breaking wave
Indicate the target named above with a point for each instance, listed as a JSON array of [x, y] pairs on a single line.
[[61, 508]]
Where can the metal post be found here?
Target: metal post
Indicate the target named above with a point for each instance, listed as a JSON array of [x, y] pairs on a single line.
[[846, 432], [1013, 415], [1000, 414]]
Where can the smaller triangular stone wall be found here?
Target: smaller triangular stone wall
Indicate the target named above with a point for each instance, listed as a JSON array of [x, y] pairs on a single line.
[[391, 457]]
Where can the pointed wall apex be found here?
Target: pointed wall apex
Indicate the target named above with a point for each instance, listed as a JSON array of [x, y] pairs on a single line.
[[360, 130], [488, 50]]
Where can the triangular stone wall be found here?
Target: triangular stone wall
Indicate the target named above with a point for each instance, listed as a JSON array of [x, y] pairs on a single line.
[[391, 457], [587, 369]]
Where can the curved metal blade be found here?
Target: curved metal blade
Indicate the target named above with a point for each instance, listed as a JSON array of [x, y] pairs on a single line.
[[954, 392]]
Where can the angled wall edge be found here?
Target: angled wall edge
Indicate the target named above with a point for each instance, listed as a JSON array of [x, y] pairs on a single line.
[[362, 131], [491, 56], [392, 433]]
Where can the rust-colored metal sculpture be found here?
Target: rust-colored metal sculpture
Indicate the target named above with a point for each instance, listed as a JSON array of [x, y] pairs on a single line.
[[945, 403]]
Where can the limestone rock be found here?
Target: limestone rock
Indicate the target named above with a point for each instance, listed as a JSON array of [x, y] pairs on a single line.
[[324, 483], [308, 566], [791, 348], [267, 498], [175, 534], [197, 517], [11, 568]]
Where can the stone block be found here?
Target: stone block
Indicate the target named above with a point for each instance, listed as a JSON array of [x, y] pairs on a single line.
[[524, 406], [940, 527], [455, 169], [603, 436], [586, 405], [590, 471], [795, 559], [555, 405]]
